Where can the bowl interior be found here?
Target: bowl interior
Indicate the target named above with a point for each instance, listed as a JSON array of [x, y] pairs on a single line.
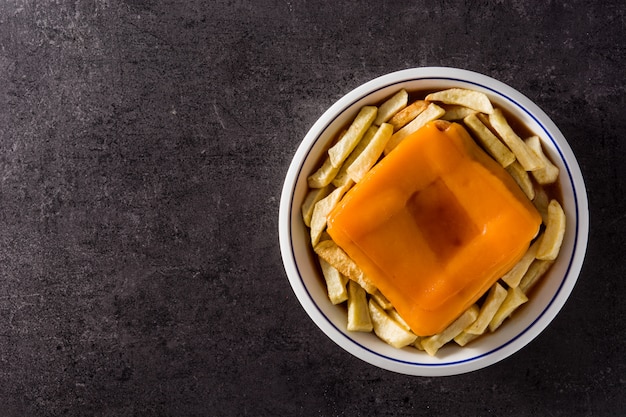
[[526, 323]]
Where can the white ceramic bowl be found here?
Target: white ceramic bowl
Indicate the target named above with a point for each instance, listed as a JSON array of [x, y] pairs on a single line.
[[533, 317]]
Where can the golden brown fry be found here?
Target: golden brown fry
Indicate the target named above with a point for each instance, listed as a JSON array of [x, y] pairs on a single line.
[[535, 272], [334, 255], [552, 238], [388, 329], [340, 151], [324, 175], [492, 303], [320, 212], [455, 112], [335, 283], [431, 113], [358, 311], [523, 153], [464, 338], [515, 275], [463, 97], [313, 196], [342, 178], [550, 172], [522, 179], [366, 160], [391, 107], [433, 343], [514, 298], [404, 116], [326, 172], [489, 141]]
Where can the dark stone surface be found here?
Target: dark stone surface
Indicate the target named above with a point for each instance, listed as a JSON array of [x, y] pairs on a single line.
[[144, 146]]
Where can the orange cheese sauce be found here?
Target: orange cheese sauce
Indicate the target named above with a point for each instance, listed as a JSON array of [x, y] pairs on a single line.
[[434, 224]]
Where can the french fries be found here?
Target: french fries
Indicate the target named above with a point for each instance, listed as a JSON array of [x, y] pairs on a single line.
[[549, 173], [534, 274], [489, 141], [400, 119], [552, 238], [433, 343], [335, 283], [526, 157], [432, 112], [374, 133], [366, 159], [515, 297], [388, 329], [320, 213], [492, 303], [334, 255], [358, 311], [340, 151], [464, 338], [391, 107], [342, 178], [522, 179], [515, 275], [324, 175], [313, 196], [455, 112], [467, 98]]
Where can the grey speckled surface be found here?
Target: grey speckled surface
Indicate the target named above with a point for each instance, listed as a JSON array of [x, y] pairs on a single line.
[[144, 146]]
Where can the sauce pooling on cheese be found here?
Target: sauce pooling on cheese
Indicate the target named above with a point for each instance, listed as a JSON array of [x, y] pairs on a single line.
[[434, 224]]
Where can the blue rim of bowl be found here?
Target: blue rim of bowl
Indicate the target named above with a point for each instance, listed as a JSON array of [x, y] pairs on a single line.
[[552, 300]]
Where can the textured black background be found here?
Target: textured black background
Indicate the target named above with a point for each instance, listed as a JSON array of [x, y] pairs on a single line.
[[143, 150]]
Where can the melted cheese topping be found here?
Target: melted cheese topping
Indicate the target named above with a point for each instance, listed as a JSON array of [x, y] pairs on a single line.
[[434, 224]]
